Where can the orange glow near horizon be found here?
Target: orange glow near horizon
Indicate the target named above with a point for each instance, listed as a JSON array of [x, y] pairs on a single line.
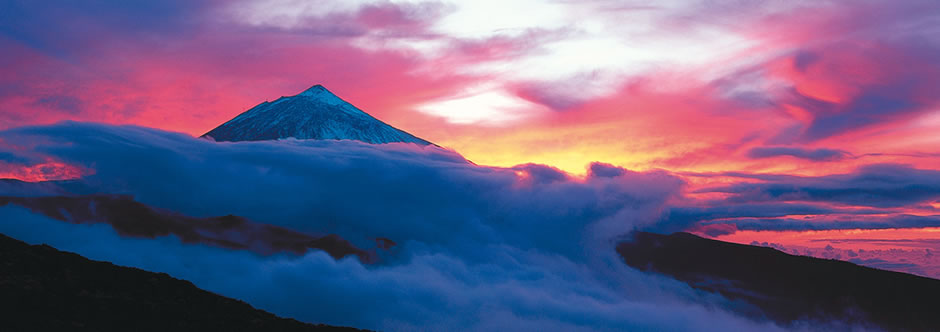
[[910, 250], [880, 239]]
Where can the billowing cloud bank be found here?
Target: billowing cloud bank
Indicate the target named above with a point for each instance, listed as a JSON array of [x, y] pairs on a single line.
[[479, 248]]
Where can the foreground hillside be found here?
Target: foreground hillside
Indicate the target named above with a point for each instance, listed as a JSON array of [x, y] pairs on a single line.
[[49, 290], [766, 283]]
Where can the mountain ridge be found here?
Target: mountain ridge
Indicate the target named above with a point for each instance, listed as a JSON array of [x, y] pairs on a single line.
[[45, 289], [766, 283]]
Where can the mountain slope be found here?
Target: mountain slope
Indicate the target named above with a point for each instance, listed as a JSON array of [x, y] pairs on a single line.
[[49, 290], [313, 114], [788, 288], [131, 218]]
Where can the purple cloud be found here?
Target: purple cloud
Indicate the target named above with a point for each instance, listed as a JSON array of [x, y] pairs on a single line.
[[802, 153], [880, 186]]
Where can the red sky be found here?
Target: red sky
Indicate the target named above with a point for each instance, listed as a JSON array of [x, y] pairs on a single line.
[[819, 94]]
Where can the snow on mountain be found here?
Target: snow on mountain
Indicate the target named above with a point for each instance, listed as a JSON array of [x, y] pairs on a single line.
[[313, 114]]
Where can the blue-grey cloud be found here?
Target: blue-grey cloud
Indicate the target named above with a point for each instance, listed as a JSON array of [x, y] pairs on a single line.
[[877, 196], [479, 248], [879, 185], [131, 218], [65, 28], [802, 153], [679, 218], [791, 224]]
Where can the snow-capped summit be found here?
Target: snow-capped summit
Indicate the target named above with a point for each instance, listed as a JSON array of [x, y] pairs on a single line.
[[324, 95], [315, 113]]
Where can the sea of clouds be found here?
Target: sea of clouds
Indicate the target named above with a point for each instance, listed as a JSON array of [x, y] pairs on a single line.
[[478, 248]]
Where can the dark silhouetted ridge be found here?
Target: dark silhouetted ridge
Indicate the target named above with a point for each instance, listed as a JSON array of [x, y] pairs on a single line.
[[44, 289], [788, 288], [131, 218]]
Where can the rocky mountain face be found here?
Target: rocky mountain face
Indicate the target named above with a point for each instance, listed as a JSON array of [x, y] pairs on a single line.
[[313, 114]]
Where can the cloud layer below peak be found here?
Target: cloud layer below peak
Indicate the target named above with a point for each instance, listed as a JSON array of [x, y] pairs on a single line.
[[528, 247]]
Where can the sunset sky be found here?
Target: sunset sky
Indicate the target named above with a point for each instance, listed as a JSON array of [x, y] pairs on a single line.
[[787, 121]]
